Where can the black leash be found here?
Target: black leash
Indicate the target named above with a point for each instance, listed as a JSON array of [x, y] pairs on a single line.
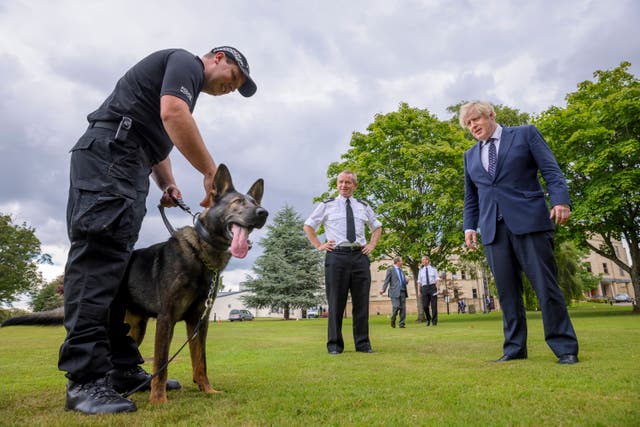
[[182, 205]]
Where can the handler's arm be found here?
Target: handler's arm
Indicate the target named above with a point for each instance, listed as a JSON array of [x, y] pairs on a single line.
[[182, 129], [162, 174]]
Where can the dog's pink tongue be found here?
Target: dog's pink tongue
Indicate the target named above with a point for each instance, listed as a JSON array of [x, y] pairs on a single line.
[[239, 245]]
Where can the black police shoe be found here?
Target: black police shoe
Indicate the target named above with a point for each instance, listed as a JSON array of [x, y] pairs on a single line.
[[96, 397], [124, 380]]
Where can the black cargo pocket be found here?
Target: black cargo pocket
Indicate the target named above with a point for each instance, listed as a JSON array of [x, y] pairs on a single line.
[[101, 214], [84, 143]]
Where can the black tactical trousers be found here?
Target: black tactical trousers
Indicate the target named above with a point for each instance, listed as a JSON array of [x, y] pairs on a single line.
[[109, 185]]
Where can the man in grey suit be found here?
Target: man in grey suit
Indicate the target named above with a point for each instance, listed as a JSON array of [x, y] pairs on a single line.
[[504, 199], [396, 281]]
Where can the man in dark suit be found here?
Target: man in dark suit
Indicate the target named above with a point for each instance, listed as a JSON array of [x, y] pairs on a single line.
[[504, 199], [396, 281]]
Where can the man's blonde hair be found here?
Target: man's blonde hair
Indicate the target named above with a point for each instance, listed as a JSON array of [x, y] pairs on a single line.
[[481, 107]]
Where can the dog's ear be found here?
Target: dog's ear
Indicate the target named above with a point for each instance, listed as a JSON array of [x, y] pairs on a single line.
[[256, 190], [222, 183]]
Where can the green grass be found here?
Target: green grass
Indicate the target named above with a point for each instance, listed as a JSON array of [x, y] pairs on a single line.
[[277, 373]]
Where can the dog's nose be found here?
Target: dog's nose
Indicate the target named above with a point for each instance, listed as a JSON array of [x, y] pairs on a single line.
[[262, 215]]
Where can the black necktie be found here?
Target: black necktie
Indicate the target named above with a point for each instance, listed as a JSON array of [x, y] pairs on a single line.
[[493, 157], [351, 225], [426, 271]]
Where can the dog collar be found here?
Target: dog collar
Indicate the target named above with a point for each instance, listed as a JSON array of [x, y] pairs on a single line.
[[204, 235]]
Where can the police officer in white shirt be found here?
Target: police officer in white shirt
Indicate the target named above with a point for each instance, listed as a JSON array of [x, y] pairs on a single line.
[[428, 279], [346, 261]]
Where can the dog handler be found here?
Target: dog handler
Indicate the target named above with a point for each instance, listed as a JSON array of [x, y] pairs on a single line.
[[129, 138]]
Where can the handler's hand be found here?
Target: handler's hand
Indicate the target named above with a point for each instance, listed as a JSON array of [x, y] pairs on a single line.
[[171, 193], [561, 214], [208, 187]]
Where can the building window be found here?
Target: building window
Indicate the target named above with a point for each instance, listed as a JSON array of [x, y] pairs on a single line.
[[463, 275], [588, 265], [605, 268], [474, 291]]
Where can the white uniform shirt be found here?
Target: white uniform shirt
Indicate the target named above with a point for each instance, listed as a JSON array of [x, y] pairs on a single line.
[[433, 275], [333, 214]]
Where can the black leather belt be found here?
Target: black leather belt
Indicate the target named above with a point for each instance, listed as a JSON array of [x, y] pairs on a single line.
[[347, 249]]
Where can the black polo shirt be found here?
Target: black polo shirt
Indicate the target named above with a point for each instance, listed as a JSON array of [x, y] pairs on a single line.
[[137, 95]]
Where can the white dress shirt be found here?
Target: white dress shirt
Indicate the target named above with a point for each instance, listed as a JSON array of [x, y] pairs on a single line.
[[434, 277]]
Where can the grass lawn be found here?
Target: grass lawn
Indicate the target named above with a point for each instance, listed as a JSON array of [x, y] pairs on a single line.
[[277, 373]]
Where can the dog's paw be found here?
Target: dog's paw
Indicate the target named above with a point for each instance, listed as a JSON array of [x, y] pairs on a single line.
[[208, 389], [157, 399]]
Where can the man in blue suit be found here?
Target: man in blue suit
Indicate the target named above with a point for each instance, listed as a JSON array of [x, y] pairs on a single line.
[[504, 199]]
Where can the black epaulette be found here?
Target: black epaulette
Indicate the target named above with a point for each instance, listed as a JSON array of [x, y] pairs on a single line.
[[363, 202], [330, 199]]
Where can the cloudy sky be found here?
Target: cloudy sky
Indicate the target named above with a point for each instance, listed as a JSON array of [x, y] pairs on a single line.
[[323, 69]]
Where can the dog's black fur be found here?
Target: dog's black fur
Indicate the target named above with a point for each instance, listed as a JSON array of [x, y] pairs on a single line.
[[170, 281]]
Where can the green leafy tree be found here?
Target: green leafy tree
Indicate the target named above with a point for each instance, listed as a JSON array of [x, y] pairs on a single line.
[[290, 272], [49, 296], [20, 254], [409, 169], [596, 139]]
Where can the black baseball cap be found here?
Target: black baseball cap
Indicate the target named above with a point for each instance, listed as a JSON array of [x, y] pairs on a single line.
[[249, 87]]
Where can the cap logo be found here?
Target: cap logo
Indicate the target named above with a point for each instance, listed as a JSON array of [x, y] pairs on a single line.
[[237, 57]]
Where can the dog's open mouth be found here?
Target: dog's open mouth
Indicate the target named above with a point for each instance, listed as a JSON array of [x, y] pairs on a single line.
[[240, 243]]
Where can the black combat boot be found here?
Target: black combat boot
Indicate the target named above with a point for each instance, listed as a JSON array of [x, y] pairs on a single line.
[[96, 397], [125, 380]]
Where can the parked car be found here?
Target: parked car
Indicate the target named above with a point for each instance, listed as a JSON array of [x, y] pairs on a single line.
[[623, 298], [312, 313], [240, 315]]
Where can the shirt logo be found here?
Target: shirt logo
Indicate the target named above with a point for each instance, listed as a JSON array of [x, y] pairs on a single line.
[[186, 93]]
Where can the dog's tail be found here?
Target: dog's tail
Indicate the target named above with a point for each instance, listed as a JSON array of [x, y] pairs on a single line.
[[42, 318]]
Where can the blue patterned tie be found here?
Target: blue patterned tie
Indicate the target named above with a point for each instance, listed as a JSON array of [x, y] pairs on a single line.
[[493, 157]]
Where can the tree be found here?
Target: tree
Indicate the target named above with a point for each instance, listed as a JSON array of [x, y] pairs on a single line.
[[409, 169], [596, 139], [50, 296], [20, 254], [290, 273]]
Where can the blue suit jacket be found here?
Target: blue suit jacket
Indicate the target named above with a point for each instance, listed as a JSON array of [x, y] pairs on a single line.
[[515, 188]]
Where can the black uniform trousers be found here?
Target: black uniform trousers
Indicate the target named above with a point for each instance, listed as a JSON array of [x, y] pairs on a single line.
[[508, 256], [347, 271], [430, 301], [109, 182]]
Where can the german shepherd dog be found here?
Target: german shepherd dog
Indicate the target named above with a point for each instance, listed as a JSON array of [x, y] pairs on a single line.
[[170, 281]]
